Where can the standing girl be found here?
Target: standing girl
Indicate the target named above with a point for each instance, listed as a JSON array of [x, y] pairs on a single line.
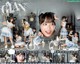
[[63, 32], [27, 30], [6, 32]]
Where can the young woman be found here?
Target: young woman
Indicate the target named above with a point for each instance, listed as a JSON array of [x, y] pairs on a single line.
[[33, 58], [19, 42], [6, 32], [47, 29], [74, 57], [75, 38], [20, 57], [47, 24], [63, 31], [27, 30]]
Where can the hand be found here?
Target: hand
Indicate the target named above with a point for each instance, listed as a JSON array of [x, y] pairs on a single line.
[[40, 34]]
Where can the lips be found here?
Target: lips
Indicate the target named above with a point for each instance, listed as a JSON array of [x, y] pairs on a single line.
[[48, 32]]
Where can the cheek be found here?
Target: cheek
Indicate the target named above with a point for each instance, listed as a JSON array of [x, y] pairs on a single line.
[[18, 57], [52, 28], [43, 28], [21, 57]]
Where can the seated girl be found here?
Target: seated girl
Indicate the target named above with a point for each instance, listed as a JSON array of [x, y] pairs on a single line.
[[19, 42], [27, 29], [75, 38]]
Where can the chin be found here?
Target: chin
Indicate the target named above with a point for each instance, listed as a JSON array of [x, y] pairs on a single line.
[[48, 36]]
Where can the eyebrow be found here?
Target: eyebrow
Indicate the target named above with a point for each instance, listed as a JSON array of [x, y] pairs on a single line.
[[48, 22]]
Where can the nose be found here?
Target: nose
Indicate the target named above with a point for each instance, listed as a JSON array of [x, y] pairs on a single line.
[[49, 27]]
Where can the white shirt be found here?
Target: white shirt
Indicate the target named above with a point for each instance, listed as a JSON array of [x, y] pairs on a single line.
[[18, 39], [9, 25], [71, 61], [74, 39]]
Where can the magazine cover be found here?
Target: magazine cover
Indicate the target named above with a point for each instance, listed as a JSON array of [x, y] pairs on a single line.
[[39, 31]]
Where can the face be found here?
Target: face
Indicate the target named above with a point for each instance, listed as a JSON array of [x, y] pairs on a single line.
[[47, 29], [20, 58], [11, 19], [64, 19], [34, 30], [40, 34], [75, 34], [16, 35], [27, 25]]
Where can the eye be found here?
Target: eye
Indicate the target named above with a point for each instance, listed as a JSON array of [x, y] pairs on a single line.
[[52, 23], [44, 23]]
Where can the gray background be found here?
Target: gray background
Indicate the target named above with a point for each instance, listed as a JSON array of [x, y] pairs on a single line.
[[59, 7]]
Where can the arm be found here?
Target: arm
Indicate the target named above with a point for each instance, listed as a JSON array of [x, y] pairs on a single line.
[[12, 26], [40, 34], [22, 23], [4, 23], [70, 34]]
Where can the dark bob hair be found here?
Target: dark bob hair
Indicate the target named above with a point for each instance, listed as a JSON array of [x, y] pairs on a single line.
[[46, 17]]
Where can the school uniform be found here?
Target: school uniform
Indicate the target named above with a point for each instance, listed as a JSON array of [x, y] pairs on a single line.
[[28, 32], [75, 39], [6, 31], [63, 32], [19, 41]]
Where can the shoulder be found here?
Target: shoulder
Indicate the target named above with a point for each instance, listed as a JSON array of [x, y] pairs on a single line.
[[30, 29], [20, 37]]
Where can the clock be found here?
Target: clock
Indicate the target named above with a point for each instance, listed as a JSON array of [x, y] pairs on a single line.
[[32, 19]]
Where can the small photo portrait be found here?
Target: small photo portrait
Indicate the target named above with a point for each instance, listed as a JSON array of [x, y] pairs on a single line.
[[33, 57], [59, 57], [56, 57], [74, 57], [19, 56], [45, 56], [2, 56], [63, 57], [5, 56]]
